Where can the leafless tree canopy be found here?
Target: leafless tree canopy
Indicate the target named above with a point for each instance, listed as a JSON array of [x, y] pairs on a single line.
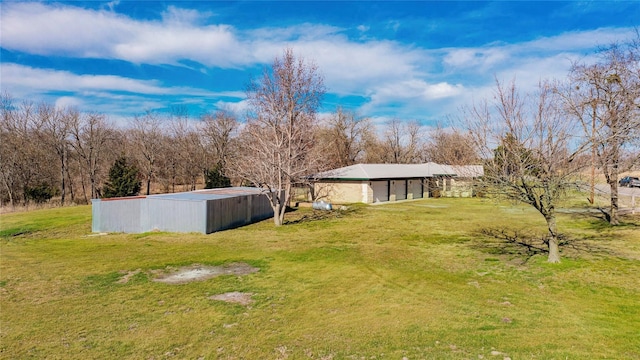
[[219, 131], [451, 148], [526, 144], [342, 138], [402, 142], [145, 134], [605, 98], [280, 132]]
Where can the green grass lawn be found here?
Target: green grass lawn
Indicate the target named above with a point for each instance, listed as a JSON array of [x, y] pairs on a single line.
[[415, 279]]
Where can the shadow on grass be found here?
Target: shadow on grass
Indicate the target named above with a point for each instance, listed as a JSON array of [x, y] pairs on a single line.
[[319, 215], [525, 245], [518, 243], [599, 221]]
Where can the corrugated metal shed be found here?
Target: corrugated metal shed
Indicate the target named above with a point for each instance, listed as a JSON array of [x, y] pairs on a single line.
[[203, 211]]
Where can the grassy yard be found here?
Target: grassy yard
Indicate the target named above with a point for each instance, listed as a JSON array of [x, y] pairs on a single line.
[[415, 279]]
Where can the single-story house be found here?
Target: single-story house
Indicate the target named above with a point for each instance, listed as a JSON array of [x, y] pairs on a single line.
[[373, 183], [203, 211]]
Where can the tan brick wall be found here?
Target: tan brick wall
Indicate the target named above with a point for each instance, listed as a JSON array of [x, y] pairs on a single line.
[[340, 192]]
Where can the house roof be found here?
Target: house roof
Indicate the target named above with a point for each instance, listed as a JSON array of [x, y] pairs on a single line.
[[466, 171], [388, 171]]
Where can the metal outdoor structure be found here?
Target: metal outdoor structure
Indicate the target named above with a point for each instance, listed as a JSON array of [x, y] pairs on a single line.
[[203, 211]]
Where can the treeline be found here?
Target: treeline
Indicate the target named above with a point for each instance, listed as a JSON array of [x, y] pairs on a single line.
[[64, 154]]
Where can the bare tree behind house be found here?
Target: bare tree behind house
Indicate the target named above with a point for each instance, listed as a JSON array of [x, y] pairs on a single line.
[[219, 131], [374, 149], [402, 142], [146, 135], [187, 143], [279, 133], [451, 148], [525, 142], [343, 137], [605, 98]]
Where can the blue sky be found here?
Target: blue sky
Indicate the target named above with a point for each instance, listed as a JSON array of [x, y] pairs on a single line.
[[418, 60]]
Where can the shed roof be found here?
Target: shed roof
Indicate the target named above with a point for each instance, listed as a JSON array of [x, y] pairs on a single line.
[[386, 171], [209, 194]]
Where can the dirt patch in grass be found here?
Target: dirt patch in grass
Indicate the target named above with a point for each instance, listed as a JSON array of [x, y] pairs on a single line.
[[127, 276], [197, 272], [234, 297]]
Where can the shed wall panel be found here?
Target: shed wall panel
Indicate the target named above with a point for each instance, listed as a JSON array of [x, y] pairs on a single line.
[[227, 213], [260, 208], [188, 212], [122, 215], [176, 215]]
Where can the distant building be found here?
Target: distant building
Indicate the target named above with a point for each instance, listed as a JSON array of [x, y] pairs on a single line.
[[203, 211], [373, 183]]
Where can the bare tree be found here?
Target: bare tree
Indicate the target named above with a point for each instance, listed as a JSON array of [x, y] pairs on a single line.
[[402, 142], [343, 138], [279, 132], [219, 131], [92, 139], [24, 163], [525, 143], [145, 134], [168, 164], [374, 148], [54, 130], [9, 154], [189, 150], [605, 98], [451, 148]]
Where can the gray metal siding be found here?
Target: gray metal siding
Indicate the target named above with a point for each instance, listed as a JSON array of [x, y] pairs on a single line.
[[193, 212], [238, 211], [260, 208], [176, 215], [122, 215], [226, 213]]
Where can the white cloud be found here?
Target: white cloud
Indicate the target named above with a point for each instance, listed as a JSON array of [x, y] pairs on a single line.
[[475, 58], [71, 31], [17, 77], [238, 108], [394, 76], [68, 102], [103, 93], [416, 90]]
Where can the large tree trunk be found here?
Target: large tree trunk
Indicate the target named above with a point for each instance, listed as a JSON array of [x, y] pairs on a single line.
[[277, 219], [554, 251]]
